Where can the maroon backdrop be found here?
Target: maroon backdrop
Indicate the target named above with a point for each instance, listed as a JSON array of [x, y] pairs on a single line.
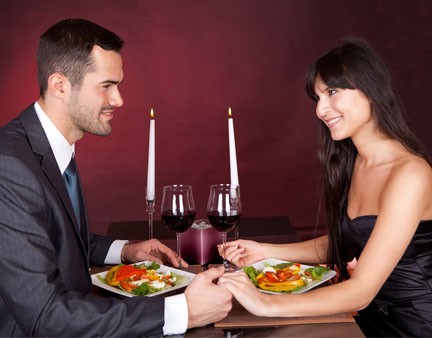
[[190, 61]]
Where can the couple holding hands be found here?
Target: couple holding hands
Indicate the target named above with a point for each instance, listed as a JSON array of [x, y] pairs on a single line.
[[376, 182]]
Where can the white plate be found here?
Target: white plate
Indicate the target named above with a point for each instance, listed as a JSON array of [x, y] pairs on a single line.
[[187, 278], [272, 261]]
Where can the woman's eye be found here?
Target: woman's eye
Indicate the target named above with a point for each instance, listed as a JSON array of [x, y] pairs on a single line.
[[331, 92]]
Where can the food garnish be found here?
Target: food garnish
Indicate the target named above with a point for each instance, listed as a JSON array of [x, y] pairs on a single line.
[[284, 277], [140, 279]]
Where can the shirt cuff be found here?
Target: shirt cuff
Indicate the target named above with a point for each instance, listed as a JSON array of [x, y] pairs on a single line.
[[114, 253], [176, 315]]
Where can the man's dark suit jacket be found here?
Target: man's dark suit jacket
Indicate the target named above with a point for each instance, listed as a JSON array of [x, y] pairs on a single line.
[[45, 288]]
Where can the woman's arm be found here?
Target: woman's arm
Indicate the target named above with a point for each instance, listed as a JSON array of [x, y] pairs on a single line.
[[245, 252], [404, 201]]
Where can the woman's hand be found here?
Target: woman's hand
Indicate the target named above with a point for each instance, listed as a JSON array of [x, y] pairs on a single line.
[[151, 250], [246, 293], [243, 252]]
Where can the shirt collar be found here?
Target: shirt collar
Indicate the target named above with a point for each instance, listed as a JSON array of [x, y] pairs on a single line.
[[63, 151]]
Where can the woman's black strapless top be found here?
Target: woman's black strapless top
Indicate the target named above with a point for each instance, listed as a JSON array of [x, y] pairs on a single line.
[[403, 306]]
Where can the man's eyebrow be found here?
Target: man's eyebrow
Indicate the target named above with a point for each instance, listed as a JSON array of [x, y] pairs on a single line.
[[111, 82]]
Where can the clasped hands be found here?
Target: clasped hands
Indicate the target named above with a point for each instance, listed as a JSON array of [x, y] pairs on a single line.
[[209, 301]]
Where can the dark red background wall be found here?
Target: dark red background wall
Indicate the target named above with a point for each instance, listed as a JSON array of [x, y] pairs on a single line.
[[190, 60]]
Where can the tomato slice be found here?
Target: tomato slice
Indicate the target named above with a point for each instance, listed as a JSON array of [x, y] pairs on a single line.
[[282, 275], [127, 286], [272, 277], [128, 271]]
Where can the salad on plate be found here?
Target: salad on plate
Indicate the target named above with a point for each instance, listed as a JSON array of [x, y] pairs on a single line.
[[277, 276], [142, 279]]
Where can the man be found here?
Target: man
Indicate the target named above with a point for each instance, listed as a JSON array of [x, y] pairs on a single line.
[[45, 246]]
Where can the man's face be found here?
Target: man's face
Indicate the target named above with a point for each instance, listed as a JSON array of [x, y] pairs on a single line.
[[91, 106]]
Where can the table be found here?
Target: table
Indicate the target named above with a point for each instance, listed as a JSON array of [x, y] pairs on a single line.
[[264, 229], [301, 330], [324, 326]]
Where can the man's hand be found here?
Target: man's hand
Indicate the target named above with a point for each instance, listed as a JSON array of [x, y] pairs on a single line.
[[151, 250], [207, 302]]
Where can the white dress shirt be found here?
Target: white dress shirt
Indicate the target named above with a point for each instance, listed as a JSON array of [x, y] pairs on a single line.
[[176, 311]]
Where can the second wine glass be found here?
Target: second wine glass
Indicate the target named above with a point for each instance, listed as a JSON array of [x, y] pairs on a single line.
[[178, 210], [224, 211]]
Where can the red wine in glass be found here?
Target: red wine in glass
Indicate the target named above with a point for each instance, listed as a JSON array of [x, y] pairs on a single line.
[[224, 212], [178, 210], [179, 223], [223, 223]]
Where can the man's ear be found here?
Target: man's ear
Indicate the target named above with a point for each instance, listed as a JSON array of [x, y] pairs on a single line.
[[58, 85]]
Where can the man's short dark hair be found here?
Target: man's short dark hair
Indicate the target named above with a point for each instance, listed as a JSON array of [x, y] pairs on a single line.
[[66, 46]]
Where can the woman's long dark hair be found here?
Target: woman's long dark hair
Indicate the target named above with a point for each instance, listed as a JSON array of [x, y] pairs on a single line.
[[353, 64]]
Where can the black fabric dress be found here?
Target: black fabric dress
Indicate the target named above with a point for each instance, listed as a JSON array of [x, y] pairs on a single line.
[[403, 306]]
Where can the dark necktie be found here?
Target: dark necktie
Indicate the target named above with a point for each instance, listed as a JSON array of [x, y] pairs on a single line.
[[71, 179]]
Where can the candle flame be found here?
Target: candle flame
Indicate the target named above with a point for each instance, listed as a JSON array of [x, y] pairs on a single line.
[[229, 112], [151, 113]]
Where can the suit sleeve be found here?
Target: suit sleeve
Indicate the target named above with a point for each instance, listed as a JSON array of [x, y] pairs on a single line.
[[44, 289], [99, 246]]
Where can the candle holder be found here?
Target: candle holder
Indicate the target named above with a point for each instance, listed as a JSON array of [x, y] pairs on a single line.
[[150, 211], [236, 202]]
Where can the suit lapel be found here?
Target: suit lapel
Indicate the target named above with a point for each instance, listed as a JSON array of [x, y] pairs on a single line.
[[41, 147]]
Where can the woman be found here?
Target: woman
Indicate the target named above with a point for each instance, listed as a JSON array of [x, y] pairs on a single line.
[[377, 187]]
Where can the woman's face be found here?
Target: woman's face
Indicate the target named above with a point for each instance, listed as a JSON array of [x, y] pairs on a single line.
[[346, 112]]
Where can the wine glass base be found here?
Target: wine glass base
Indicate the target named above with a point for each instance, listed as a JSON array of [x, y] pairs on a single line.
[[229, 267]]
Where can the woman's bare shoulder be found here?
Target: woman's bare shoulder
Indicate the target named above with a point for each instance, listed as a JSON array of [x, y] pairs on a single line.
[[412, 176], [413, 167]]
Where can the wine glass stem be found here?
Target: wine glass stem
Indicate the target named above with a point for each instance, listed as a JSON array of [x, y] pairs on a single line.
[[178, 234], [225, 262]]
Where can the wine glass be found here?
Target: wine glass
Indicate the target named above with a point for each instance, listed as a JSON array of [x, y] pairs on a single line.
[[178, 210], [224, 211]]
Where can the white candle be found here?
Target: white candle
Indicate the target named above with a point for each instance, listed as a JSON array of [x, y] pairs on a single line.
[[151, 160], [232, 150]]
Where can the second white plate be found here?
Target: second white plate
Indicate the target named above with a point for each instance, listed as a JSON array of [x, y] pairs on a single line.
[[272, 261]]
